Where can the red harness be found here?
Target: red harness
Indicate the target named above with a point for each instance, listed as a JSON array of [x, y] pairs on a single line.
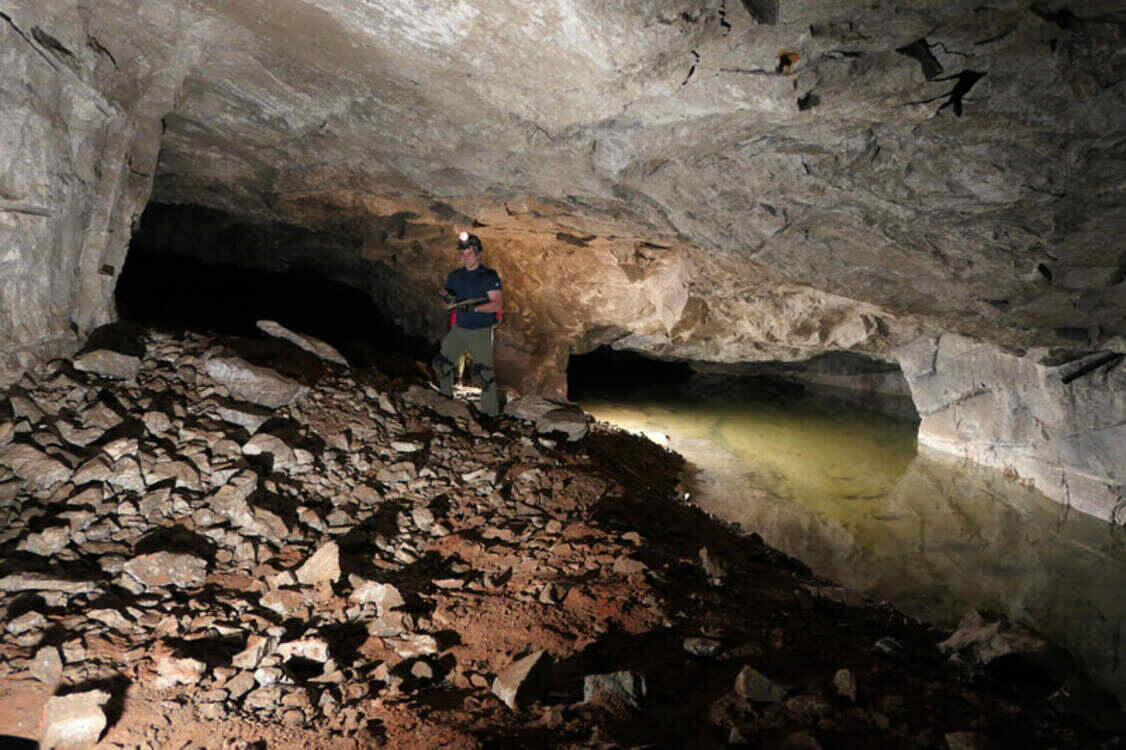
[[453, 317]]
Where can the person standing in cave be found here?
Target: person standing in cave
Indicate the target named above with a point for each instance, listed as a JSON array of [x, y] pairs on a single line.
[[474, 292]]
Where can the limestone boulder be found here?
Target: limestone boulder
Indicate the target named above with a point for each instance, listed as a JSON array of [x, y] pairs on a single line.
[[109, 364], [74, 720], [306, 342], [168, 569], [36, 468], [258, 385]]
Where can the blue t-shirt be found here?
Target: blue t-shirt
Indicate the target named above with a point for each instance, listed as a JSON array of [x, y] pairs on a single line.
[[473, 284]]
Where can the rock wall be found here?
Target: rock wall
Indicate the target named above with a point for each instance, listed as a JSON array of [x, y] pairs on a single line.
[[80, 131], [1056, 420], [565, 293]]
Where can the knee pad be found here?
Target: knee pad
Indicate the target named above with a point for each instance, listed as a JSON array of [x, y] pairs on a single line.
[[443, 366], [487, 375]]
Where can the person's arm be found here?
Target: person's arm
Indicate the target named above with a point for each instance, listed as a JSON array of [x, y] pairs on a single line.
[[495, 303], [446, 292]]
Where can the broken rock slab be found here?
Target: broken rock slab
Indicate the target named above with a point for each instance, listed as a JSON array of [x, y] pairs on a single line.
[[73, 720], [571, 421], [47, 542], [517, 681], [109, 364], [982, 642], [258, 385], [248, 416], [40, 471], [757, 688], [615, 690], [308, 343], [47, 665], [529, 408], [282, 455], [168, 569], [436, 402], [324, 565], [44, 582], [173, 671]]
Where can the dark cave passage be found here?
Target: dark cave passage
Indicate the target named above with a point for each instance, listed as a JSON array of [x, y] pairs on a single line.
[[846, 377], [197, 269], [606, 369]]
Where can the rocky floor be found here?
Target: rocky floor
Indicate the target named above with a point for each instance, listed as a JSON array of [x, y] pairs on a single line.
[[235, 543]]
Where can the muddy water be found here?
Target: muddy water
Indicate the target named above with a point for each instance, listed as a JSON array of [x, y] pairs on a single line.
[[848, 493]]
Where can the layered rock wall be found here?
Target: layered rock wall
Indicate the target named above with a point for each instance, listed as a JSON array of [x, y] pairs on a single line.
[[1055, 420], [80, 131]]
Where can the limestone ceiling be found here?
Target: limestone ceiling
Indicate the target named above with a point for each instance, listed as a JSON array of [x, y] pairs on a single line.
[[952, 163]]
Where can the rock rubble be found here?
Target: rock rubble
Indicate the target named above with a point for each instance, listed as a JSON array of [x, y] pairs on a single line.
[[355, 553]]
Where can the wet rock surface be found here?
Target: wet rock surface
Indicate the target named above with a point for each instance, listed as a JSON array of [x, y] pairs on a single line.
[[414, 574]]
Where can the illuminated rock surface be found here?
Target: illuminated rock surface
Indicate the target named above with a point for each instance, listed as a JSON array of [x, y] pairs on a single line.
[[709, 181]]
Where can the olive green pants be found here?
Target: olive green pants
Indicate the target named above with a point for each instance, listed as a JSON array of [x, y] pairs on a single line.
[[478, 342]]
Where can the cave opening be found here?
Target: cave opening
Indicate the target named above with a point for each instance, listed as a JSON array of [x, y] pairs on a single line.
[[608, 370], [195, 268], [849, 379]]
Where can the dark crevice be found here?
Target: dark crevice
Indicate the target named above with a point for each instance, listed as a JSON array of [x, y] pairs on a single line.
[[609, 369], [920, 51], [1111, 359], [1063, 17], [1044, 271], [50, 42], [809, 101], [965, 81], [763, 11], [34, 46], [200, 269], [723, 22], [575, 240], [1120, 273], [98, 47], [691, 70], [747, 71], [998, 36]]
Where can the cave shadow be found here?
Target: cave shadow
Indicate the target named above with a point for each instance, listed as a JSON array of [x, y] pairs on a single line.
[[178, 275], [176, 539]]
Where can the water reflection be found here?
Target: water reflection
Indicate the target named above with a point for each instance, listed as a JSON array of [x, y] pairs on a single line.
[[847, 492]]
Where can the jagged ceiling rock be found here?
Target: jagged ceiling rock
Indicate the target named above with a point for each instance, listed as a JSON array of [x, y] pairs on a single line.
[[954, 161], [699, 179]]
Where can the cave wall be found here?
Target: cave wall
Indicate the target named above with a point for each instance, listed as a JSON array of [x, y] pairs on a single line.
[[693, 179], [80, 132], [1053, 419]]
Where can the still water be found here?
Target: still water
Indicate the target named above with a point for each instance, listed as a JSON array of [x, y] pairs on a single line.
[[848, 492]]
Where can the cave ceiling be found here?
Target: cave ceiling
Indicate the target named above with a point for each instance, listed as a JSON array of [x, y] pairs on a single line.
[[702, 179]]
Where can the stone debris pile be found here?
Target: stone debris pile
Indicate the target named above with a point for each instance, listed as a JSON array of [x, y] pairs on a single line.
[[330, 552], [201, 521]]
